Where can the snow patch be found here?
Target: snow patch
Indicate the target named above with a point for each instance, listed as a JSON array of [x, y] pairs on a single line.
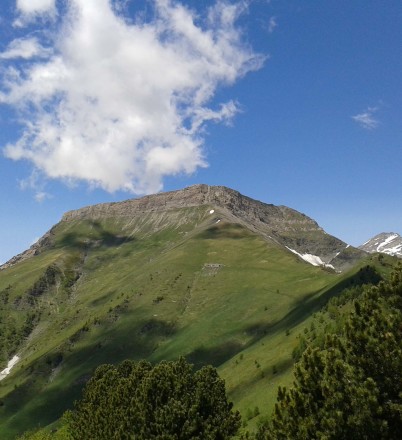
[[312, 259], [386, 241], [10, 365], [395, 250]]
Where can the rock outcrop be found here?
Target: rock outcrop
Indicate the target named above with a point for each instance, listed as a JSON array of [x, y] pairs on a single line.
[[43, 243]]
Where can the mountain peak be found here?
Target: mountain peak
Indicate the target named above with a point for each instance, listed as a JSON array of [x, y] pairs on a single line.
[[281, 225], [236, 206], [386, 242]]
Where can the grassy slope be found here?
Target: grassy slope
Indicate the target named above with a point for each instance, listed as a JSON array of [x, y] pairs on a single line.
[[152, 288]]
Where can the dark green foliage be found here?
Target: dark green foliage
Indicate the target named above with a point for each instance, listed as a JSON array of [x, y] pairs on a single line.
[[300, 348], [47, 280], [44, 434], [351, 388], [21, 310], [168, 401], [36, 435], [14, 328], [5, 295], [13, 332]]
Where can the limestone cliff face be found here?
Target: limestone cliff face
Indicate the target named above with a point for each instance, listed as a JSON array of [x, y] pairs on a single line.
[[284, 226], [242, 207]]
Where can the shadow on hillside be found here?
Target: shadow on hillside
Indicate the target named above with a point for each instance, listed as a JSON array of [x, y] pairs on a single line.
[[99, 237], [312, 303], [155, 328], [102, 299], [214, 356], [224, 230]]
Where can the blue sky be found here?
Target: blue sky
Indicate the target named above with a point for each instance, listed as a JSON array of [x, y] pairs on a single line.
[[295, 103]]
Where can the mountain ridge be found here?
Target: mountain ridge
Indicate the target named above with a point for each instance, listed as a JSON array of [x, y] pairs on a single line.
[[282, 225]]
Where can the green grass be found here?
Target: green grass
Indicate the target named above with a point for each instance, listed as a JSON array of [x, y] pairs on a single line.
[[157, 287]]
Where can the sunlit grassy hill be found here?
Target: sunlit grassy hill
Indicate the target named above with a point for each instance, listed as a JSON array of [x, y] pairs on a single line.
[[182, 274]]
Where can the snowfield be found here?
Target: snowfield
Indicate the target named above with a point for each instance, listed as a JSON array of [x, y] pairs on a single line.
[[312, 259], [7, 370]]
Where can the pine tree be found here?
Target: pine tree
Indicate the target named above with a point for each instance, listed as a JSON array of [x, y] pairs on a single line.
[[352, 387], [166, 402]]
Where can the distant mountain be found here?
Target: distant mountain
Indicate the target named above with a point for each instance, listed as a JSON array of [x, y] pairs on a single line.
[[386, 243]]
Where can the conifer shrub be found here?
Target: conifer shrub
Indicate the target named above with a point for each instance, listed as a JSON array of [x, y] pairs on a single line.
[[351, 387], [168, 401]]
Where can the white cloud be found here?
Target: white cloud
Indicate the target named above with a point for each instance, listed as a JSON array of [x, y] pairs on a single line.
[[31, 10], [122, 105], [272, 24], [35, 182], [366, 119], [36, 6], [41, 196], [25, 48]]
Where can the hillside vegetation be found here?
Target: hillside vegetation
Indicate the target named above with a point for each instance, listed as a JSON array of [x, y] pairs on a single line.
[[347, 385], [189, 281]]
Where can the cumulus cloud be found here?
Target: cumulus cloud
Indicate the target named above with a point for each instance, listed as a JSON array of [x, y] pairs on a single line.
[[366, 119], [36, 6], [31, 10], [120, 104]]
